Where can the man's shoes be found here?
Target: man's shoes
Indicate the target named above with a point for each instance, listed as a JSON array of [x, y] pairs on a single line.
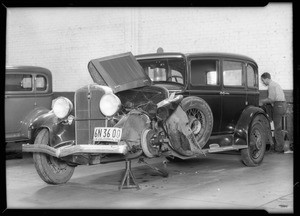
[[278, 151], [288, 152]]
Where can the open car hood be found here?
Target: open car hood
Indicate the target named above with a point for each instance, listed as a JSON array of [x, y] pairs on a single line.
[[120, 72]]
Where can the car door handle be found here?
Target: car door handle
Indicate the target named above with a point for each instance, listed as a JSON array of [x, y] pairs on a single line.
[[224, 93]]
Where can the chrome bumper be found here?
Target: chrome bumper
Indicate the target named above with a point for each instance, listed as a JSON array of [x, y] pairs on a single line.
[[121, 148]]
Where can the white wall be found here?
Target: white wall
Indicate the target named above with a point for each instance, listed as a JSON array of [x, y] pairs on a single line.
[[65, 39]]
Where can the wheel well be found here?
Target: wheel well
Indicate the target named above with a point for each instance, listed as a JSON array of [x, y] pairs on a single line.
[[263, 119], [35, 132], [266, 125]]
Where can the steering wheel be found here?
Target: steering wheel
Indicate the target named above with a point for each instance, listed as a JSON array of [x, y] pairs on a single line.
[[176, 78]]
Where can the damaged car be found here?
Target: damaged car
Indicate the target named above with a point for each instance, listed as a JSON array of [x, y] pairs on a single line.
[[172, 105]]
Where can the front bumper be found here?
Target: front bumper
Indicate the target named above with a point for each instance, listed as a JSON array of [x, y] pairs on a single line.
[[121, 148]]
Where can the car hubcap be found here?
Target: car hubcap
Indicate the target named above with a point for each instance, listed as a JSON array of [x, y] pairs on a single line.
[[256, 143], [197, 121], [195, 125], [56, 165]]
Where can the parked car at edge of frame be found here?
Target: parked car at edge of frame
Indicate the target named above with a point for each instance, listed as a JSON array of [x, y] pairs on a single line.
[[175, 105], [28, 97]]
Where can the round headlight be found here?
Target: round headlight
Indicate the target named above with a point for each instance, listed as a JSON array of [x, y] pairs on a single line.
[[62, 107], [109, 104]]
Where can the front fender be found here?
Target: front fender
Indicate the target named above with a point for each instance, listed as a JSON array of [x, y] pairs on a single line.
[[244, 122], [29, 119], [58, 131]]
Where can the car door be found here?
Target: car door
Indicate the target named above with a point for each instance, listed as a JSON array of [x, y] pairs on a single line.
[[19, 101], [233, 94], [24, 91], [205, 83]]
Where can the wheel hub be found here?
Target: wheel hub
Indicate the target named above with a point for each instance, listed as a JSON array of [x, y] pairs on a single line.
[[257, 139], [195, 125]]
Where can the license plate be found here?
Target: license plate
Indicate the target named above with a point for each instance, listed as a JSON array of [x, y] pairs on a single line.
[[107, 134]]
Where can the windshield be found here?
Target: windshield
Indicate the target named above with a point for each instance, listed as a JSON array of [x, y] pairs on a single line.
[[170, 70]]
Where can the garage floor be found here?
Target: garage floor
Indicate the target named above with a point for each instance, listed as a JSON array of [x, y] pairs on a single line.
[[217, 181]]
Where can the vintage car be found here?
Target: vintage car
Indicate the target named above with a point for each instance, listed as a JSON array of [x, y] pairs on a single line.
[[28, 96], [174, 105]]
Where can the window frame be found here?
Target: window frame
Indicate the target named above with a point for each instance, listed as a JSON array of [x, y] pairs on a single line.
[[243, 84], [21, 92], [218, 69], [33, 90], [256, 86]]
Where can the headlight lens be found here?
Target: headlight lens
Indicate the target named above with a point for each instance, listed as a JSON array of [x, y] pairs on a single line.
[[62, 107], [109, 104]]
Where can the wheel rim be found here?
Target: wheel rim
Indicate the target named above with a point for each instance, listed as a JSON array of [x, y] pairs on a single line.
[[195, 125], [255, 143], [197, 122], [56, 165]]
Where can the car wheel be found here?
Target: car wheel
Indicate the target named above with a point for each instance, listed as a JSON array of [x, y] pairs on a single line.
[[51, 169], [254, 154], [200, 117]]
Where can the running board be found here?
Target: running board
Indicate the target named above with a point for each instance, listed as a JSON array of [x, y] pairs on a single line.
[[75, 149], [216, 148]]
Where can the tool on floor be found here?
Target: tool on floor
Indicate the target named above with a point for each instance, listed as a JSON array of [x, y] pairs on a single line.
[[162, 172]]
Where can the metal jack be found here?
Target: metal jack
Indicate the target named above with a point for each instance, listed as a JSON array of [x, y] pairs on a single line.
[[162, 172], [127, 176]]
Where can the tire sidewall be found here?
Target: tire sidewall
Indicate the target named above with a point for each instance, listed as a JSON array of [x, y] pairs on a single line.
[[43, 163], [246, 153]]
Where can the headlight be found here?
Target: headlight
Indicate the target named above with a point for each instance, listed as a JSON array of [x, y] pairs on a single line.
[[109, 104], [62, 107]]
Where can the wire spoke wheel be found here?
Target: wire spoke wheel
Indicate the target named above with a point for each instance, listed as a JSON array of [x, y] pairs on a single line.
[[197, 122]]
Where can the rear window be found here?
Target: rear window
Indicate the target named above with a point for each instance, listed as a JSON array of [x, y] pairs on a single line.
[[18, 82]]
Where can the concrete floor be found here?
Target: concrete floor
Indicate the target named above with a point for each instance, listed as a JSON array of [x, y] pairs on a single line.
[[217, 181]]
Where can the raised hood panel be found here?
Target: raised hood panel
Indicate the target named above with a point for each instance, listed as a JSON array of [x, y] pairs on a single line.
[[120, 72]]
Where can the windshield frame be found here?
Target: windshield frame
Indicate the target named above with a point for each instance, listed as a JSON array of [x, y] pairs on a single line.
[[156, 60]]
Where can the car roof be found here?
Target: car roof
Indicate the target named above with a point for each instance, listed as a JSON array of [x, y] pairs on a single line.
[[34, 69], [193, 55]]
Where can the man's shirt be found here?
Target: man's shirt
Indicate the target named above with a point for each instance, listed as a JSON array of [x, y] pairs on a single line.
[[275, 92]]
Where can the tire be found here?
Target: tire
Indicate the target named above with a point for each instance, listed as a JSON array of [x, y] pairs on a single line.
[[51, 169], [199, 111], [254, 154]]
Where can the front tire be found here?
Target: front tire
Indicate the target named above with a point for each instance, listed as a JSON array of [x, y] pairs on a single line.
[[51, 169], [254, 154]]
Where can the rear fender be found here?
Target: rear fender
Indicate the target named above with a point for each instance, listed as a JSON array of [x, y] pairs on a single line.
[[245, 121], [58, 130]]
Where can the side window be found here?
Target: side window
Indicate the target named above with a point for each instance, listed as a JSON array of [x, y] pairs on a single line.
[[18, 82], [204, 72], [232, 73], [251, 77], [41, 83]]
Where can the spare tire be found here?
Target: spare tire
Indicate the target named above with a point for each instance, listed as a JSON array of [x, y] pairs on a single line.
[[200, 116]]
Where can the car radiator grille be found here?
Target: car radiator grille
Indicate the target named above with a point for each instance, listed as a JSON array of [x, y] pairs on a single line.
[[87, 112]]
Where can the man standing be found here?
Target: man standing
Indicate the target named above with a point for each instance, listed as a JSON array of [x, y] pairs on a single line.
[[277, 99]]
